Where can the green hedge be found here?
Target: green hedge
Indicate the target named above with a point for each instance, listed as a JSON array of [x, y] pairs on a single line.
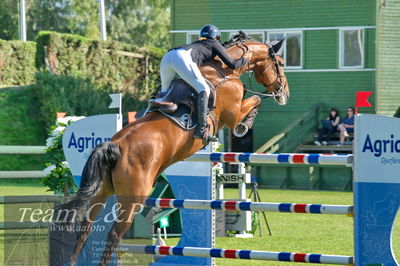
[[17, 62], [121, 67], [74, 95], [82, 73], [73, 74], [18, 126], [78, 73]]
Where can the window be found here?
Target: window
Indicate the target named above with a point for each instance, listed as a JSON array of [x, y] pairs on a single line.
[[351, 48], [258, 36], [192, 37], [292, 52]]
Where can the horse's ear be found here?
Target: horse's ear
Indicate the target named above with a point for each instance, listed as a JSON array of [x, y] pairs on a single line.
[[242, 34], [278, 47]]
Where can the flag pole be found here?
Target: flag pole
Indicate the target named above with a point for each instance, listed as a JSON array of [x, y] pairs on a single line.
[[102, 20], [362, 100], [22, 20], [116, 102], [120, 106]]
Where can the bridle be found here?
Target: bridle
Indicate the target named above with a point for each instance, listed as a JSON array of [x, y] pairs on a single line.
[[277, 83]]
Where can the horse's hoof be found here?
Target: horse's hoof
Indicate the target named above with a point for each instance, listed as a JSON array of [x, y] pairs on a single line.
[[240, 130]]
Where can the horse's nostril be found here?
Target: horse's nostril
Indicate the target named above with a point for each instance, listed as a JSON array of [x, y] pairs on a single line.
[[281, 100]]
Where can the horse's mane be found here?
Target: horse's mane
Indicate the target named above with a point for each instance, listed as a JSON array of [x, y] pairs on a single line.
[[238, 38]]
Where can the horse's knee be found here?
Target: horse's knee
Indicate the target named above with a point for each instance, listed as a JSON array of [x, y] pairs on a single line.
[[256, 99]]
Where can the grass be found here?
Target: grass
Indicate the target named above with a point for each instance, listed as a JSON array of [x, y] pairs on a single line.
[[14, 188], [23, 187], [308, 233]]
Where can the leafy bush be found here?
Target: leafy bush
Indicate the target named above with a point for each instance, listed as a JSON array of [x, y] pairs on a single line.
[[84, 71], [17, 62], [18, 126], [58, 174], [76, 73], [75, 96], [119, 66]]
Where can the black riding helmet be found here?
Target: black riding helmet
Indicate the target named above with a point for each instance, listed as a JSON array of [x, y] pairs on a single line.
[[210, 31]]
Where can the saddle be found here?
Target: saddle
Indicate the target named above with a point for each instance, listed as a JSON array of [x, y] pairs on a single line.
[[179, 103]]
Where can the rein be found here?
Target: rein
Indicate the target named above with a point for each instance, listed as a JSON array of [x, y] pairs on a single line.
[[225, 78], [278, 79], [264, 95]]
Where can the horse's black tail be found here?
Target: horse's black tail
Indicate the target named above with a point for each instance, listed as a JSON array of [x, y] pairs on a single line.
[[97, 168]]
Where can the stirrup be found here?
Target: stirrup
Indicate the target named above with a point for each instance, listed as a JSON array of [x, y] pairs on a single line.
[[205, 136], [208, 139], [212, 138]]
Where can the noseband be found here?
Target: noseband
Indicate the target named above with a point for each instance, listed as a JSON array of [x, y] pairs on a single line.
[[278, 80], [277, 83]]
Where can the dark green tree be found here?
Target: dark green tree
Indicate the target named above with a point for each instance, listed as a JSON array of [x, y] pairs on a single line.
[[85, 18], [8, 20], [64, 16], [50, 15], [140, 22]]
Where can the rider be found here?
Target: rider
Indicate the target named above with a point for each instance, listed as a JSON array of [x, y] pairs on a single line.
[[185, 61]]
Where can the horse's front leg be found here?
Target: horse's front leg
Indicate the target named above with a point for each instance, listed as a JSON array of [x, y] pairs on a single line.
[[248, 109]]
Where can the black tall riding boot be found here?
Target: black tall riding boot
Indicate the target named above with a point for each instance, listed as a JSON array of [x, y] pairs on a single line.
[[203, 131]]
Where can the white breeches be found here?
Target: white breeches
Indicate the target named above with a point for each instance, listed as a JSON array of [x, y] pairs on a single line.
[[179, 61]]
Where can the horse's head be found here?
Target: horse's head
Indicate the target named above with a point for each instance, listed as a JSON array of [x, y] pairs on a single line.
[[269, 72], [265, 61]]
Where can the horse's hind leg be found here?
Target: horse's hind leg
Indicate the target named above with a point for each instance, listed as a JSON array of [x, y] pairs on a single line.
[[96, 204], [131, 193], [118, 230], [128, 208], [86, 226]]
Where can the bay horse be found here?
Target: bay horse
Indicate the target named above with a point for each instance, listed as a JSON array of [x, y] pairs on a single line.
[[128, 165]]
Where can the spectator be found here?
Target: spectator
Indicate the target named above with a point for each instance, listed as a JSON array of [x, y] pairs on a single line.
[[329, 126], [347, 125]]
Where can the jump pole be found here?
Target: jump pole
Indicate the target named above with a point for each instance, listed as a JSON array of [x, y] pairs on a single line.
[[274, 158], [376, 169], [194, 180], [237, 254], [249, 206], [197, 181]]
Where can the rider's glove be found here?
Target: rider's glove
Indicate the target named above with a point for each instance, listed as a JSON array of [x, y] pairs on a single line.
[[240, 62]]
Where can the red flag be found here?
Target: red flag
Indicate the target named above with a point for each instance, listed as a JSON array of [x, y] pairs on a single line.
[[131, 117], [362, 99], [60, 115]]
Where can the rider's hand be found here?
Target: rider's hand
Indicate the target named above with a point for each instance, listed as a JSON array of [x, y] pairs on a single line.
[[240, 62]]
